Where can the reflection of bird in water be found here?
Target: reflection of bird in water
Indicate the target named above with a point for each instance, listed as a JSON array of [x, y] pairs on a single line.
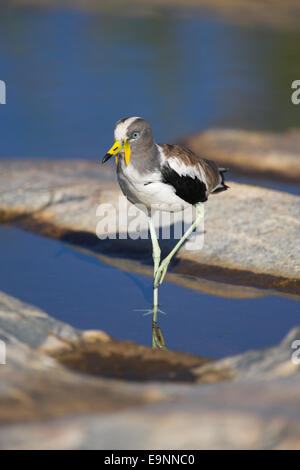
[[161, 177]]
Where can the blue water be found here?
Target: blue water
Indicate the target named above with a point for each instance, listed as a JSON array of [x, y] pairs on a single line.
[[70, 74], [78, 289]]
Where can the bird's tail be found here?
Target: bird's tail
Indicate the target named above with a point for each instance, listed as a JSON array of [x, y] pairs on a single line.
[[222, 186]]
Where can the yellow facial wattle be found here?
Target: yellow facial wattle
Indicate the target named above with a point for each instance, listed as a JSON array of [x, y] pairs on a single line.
[[127, 151], [117, 147]]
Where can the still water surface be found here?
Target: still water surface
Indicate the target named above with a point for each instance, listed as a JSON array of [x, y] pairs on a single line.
[[71, 74], [78, 289]]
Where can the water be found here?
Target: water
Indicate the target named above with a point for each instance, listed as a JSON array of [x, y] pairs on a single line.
[[70, 74], [78, 289]]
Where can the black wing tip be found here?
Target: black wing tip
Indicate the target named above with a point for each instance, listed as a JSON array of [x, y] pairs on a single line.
[[223, 186], [190, 190]]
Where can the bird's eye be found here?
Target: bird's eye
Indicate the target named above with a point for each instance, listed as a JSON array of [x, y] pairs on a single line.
[[135, 135]]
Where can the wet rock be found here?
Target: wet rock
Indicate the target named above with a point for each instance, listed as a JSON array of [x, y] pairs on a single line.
[[261, 153], [32, 326], [249, 237], [130, 361]]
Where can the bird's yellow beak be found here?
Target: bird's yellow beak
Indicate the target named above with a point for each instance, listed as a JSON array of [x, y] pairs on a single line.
[[116, 149]]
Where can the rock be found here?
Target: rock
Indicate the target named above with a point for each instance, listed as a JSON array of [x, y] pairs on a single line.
[[35, 387], [44, 405], [253, 13], [267, 363], [262, 153], [129, 361], [249, 237], [32, 326], [256, 415]]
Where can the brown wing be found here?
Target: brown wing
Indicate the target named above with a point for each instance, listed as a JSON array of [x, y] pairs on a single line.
[[182, 159]]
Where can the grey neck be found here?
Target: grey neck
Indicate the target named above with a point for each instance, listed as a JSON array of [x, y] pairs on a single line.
[[143, 162]]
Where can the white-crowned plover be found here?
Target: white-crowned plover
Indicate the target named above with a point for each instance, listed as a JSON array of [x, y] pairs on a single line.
[[161, 177]]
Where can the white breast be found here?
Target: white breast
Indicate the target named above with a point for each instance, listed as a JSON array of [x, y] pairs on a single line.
[[149, 190]]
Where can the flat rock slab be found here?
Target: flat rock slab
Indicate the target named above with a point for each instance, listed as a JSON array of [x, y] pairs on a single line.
[[250, 237], [260, 415], [250, 401], [262, 153]]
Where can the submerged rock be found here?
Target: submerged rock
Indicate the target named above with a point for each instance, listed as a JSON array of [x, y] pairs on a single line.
[[45, 405], [250, 232], [90, 352]]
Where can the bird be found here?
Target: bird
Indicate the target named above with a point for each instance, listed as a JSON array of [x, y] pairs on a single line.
[[165, 177]]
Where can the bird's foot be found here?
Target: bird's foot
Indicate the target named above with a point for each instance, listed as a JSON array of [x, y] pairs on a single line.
[[158, 341], [161, 272], [149, 311]]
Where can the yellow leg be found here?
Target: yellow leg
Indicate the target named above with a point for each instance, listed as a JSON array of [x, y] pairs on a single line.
[[156, 260], [162, 270], [158, 341]]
